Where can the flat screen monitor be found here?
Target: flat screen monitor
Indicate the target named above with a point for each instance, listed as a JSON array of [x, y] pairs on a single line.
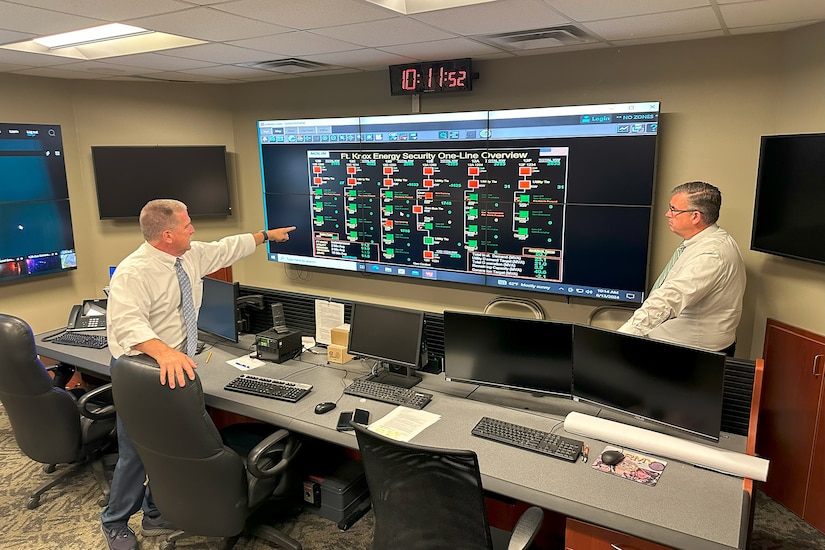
[[389, 335], [520, 354], [218, 314], [36, 235], [523, 199], [788, 217], [127, 177], [663, 384]]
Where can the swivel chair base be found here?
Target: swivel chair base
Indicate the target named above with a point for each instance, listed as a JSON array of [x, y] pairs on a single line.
[[98, 465]]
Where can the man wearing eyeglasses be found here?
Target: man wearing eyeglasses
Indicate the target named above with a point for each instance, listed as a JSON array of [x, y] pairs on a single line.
[[697, 300]]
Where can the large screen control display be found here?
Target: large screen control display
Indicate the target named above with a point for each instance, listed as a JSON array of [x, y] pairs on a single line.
[[554, 200]]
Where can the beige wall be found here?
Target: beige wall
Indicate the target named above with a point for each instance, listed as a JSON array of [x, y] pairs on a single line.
[[718, 97]]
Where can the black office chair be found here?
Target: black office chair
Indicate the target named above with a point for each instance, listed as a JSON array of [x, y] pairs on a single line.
[[52, 425], [199, 484], [426, 498]]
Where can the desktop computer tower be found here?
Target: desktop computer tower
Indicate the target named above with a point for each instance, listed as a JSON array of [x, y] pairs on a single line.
[[277, 348]]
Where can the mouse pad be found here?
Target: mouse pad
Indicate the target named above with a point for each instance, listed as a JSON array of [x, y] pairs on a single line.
[[636, 467]]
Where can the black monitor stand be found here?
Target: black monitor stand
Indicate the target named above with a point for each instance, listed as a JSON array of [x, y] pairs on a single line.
[[392, 375]]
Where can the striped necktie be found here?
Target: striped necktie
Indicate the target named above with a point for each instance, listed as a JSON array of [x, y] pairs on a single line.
[[188, 308], [663, 274]]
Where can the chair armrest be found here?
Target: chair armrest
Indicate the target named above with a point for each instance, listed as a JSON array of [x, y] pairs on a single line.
[[526, 529], [272, 449], [98, 412]]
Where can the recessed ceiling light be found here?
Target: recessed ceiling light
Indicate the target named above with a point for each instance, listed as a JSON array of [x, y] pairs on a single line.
[[111, 40], [87, 36], [408, 7]]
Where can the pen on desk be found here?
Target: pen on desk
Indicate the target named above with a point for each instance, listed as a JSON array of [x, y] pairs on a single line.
[[208, 357], [585, 452]]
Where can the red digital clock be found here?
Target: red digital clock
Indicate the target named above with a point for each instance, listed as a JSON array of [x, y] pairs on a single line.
[[453, 75]]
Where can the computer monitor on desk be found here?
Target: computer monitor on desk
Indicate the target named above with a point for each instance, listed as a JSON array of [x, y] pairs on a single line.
[[218, 314], [659, 384], [391, 336], [519, 354]]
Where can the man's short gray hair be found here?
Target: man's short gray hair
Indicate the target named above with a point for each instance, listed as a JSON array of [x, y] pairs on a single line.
[[158, 216]]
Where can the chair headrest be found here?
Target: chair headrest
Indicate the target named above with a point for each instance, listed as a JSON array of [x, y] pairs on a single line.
[[156, 415], [21, 371]]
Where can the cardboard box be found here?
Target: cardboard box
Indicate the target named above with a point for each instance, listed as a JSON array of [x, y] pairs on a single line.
[[338, 354], [340, 335]]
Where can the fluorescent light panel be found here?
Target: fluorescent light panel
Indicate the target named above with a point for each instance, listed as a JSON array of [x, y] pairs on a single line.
[[101, 33], [408, 7]]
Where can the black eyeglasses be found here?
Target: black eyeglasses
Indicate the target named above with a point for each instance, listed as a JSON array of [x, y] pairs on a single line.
[[676, 211]]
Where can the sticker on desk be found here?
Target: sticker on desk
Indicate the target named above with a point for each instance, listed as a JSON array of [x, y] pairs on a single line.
[[635, 466]]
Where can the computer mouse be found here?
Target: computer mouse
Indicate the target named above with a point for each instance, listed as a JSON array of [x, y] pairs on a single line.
[[324, 407], [611, 457]]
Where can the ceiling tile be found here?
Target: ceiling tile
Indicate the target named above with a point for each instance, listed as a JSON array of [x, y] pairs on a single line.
[[500, 16], [432, 51], [40, 22], [220, 53], [158, 61], [108, 10], [360, 58], [208, 24], [296, 43], [646, 26], [388, 32], [772, 12], [308, 14], [595, 10]]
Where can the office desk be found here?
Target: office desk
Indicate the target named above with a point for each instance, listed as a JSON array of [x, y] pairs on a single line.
[[690, 507]]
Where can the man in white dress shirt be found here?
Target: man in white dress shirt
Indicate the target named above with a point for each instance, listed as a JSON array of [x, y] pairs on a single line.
[[146, 314], [697, 301]]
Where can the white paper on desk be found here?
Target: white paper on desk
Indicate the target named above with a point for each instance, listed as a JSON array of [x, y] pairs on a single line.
[[328, 315], [404, 423], [245, 362]]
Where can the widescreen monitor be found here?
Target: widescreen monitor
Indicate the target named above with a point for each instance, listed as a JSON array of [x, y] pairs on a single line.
[[520, 354], [660, 383], [547, 200], [127, 177], [388, 335], [218, 314], [36, 235]]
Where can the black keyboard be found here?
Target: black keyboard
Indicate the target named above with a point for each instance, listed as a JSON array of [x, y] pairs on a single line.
[[271, 388], [95, 341], [528, 438], [389, 394]]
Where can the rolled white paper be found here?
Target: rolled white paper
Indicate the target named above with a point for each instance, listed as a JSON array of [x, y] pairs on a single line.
[[721, 460]]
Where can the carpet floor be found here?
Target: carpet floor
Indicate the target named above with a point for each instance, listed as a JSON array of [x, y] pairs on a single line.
[[68, 517]]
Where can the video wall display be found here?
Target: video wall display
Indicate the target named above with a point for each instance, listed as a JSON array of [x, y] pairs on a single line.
[[35, 220], [553, 200]]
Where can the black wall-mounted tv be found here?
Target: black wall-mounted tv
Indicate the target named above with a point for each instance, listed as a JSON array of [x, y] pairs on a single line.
[[789, 214], [35, 219], [553, 200], [127, 177]]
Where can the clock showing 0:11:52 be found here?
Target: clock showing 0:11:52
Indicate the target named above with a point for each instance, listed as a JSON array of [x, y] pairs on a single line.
[[453, 75]]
